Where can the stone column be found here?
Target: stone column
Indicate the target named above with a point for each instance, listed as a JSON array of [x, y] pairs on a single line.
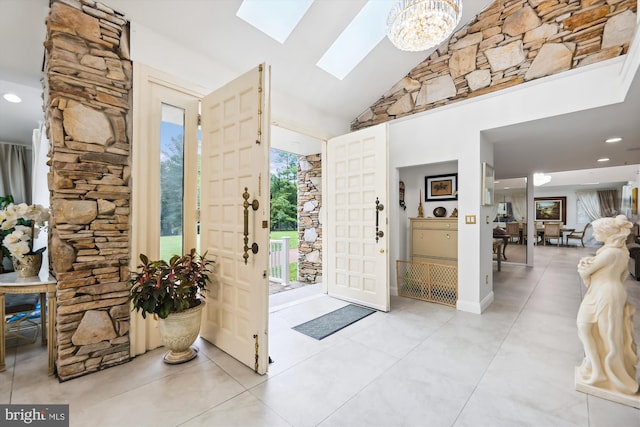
[[87, 100], [309, 225]]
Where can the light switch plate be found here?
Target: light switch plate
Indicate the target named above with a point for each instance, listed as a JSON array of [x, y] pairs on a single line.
[[469, 219]]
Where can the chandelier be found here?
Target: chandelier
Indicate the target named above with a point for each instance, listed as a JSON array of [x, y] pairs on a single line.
[[415, 25]]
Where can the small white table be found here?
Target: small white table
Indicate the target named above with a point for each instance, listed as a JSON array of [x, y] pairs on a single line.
[[45, 285]]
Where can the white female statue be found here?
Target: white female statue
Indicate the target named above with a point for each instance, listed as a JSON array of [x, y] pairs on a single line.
[[605, 318]]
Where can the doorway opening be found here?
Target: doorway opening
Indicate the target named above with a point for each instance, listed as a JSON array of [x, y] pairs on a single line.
[[510, 216], [283, 231]]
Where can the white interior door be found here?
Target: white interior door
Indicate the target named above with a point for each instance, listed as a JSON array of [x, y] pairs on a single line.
[[235, 161], [356, 175]]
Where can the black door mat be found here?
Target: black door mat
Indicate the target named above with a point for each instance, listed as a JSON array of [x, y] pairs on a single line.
[[331, 323]]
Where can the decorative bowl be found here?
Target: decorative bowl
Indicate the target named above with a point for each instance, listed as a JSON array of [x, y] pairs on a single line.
[[439, 212]]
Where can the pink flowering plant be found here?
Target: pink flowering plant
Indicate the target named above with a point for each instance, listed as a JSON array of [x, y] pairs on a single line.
[[19, 225], [161, 287]]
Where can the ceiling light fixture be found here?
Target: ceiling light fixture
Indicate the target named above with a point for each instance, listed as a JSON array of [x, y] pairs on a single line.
[[540, 179], [613, 140], [416, 25], [603, 159], [12, 97]]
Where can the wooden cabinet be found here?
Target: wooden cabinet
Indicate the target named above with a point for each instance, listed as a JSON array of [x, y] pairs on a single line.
[[432, 273], [434, 240]]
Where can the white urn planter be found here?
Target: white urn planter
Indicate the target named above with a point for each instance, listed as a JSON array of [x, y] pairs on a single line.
[[178, 332]]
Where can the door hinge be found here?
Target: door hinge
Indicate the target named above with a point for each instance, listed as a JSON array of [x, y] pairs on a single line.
[[260, 102], [199, 119]]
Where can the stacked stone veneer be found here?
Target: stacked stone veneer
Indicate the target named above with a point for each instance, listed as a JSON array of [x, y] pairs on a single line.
[[87, 100], [309, 225], [510, 42]]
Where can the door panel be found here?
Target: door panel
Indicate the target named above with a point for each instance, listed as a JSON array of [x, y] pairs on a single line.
[[356, 172], [235, 159]]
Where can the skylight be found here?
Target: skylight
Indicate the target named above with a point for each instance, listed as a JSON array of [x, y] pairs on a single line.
[[366, 30], [275, 18]]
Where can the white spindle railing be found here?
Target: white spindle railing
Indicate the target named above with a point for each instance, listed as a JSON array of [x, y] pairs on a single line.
[[279, 260]]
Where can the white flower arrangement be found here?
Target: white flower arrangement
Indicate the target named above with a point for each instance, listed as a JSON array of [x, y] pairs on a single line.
[[19, 225]]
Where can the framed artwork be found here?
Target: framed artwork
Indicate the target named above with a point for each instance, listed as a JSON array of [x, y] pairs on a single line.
[[488, 175], [634, 200], [441, 187], [551, 209]]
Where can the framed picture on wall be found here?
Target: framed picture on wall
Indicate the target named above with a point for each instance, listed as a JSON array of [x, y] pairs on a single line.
[[441, 187], [551, 209]]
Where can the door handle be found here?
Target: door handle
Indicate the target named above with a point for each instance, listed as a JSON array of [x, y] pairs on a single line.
[[254, 205], [379, 207]]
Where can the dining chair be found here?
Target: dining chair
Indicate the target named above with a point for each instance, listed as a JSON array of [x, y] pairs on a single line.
[[513, 231], [524, 233], [552, 231], [539, 233], [578, 235]]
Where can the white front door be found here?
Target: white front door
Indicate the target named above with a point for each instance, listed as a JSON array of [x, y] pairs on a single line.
[[355, 168], [234, 219]]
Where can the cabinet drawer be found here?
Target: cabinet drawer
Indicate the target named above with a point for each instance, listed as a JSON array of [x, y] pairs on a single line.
[[435, 224], [435, 243]]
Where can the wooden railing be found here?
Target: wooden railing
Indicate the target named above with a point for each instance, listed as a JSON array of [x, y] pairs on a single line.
[[279, 260]]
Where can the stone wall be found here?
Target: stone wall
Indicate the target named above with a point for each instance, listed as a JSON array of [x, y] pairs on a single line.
[[510, 42], [87, 101], [309, 225]]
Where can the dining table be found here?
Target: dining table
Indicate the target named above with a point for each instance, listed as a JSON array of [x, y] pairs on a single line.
[[564, 232]]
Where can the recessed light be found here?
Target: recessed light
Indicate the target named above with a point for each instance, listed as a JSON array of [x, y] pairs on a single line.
[[496, 182], [12, 97], [613, 140], [603, 159], [507, 188]]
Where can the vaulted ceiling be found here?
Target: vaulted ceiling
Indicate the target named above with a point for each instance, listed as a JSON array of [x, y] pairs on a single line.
[[213, 29]]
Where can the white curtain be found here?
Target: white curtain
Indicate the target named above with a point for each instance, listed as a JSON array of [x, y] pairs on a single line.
[[590, 203], [519, 203], [15, 172], [494, 210]]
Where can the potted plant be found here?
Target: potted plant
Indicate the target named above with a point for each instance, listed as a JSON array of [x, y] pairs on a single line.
[[173, 292], [19, 226]]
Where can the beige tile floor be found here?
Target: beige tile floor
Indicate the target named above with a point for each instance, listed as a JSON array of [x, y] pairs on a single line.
[[419, 365]]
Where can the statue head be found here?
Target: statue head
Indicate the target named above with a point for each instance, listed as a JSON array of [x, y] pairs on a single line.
[[613, 231]]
